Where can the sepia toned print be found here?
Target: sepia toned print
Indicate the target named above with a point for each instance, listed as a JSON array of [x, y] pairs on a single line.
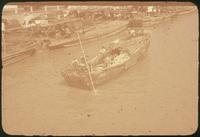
[[100, 68]]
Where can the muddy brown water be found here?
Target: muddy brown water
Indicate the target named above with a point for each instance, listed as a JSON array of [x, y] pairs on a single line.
[[157, 96]]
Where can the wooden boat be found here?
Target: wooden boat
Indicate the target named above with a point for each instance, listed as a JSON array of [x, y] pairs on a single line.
[[18, 56], [98, 31], [18, 47], [130, 52], [187, 11]]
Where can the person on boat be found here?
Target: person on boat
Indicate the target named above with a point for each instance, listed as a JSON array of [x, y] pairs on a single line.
[[108, 61], [75, 64], [82, 64], [102, 53], [78, 66], [82, 61], [99, 58]]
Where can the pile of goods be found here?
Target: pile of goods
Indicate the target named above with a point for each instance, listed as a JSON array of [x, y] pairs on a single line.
[[120, 59]]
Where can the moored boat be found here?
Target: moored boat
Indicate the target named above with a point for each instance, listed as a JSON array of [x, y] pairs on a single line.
[[99, 31], [108, 65]]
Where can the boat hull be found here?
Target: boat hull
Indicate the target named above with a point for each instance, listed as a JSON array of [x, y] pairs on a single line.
[[100, 77]]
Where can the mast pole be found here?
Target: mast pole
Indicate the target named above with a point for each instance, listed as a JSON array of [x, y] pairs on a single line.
[[91, 80]]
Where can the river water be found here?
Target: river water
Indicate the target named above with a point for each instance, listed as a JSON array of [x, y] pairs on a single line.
[[158, 95]]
